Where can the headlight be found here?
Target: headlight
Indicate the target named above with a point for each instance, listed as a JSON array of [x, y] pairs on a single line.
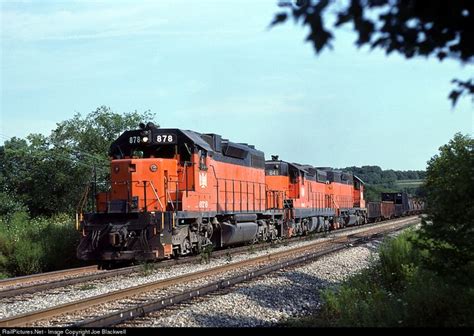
[[145, 139], [153, 167]]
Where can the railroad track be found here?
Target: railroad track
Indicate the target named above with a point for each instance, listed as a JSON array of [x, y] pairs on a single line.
[[51, 280], [6, 284], [261, 265]]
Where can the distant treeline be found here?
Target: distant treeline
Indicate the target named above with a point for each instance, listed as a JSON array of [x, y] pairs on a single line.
[[378, 180], [375, 174]]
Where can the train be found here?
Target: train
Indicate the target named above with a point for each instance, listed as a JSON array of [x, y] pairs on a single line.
[[174, 192]]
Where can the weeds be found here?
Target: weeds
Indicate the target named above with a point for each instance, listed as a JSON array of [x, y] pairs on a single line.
[[205, 253], [146, 269], [251, 249], [274, 243], [87, 287], [228, 257]]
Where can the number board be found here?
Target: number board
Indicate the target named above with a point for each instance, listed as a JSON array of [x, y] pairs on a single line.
[[165, 138], [134, 138]]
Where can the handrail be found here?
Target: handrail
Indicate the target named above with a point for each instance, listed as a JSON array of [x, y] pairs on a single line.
[[168, 199], [217, 181], [80, 206], [156, 195], [128, 184]]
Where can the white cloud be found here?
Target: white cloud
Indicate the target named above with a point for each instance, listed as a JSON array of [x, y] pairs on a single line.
[[98, 19], [97, 22]]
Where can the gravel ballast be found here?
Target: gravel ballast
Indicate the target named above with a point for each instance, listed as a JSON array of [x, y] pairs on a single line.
[[267, 300]]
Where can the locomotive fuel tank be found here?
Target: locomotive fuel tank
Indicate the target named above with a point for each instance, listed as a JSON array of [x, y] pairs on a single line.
[[238, 233], [351, 220]]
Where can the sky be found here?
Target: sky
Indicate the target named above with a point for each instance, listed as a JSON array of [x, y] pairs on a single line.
[[216, 67]]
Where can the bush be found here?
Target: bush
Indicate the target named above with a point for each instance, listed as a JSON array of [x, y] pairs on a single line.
[[448, 230], [398, 260], [28, 258], [10, 205], [396, 291], [60, 240], [36, 245], [432, 300]]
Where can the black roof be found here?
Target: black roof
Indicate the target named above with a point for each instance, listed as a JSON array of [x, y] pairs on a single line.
[[219, 149], [321, 174]]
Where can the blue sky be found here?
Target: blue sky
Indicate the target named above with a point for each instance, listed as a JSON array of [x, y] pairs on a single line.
[[214, 66]]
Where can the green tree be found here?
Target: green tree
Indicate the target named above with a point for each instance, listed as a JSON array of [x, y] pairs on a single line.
[[448, 230], [437, 28], [388, 176], [93, 134]]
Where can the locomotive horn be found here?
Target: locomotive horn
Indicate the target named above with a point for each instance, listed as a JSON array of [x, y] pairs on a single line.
[[150, 125]]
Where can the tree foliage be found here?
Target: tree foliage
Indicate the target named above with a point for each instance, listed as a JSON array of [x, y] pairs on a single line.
[[377, 181], [442, 29], [48, 174], [376, 175], [92, 135], [448, 230], [37, 175]]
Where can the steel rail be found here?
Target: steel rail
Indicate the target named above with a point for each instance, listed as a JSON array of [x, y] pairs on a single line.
[[44, 276], [23, 319]]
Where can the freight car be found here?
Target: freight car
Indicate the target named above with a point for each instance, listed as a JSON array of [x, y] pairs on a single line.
[[393, 205], [173, 192]]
